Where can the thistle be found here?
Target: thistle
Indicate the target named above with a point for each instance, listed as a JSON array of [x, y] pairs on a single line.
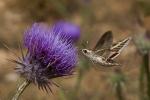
[[142, 42], [49, 55], [118, 82], [69, 30]]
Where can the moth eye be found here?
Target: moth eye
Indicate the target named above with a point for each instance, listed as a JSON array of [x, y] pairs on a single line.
[[84, 51]]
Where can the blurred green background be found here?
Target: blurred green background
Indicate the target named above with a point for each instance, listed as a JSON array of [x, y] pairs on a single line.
[[124, 17]]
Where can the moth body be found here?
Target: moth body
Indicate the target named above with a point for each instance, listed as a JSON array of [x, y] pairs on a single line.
[[98, 59]]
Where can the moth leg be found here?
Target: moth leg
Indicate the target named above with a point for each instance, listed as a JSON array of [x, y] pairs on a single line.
[[93, 62]]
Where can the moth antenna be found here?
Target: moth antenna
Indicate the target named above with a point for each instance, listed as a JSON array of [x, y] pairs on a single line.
[[84, 44]]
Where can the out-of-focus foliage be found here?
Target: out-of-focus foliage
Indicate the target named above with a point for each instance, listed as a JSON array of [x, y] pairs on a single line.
[[40, 10], [145, 6], [143, 42]]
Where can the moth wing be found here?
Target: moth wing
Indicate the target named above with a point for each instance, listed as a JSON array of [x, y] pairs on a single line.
[[104, 43], [118, 47]]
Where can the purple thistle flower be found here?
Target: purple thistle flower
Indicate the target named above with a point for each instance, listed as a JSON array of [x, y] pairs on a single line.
[[47, 57], [69, 30]]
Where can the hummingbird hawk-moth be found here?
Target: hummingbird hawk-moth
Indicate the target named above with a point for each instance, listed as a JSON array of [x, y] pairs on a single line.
[[105, 50]]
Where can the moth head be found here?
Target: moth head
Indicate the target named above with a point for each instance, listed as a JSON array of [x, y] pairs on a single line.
[[85, 51]]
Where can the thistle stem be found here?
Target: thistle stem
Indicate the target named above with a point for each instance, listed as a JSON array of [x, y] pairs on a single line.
[[79, 79], [77, 86], [147, 71], [119, 91], [141, 82], [20, 90]]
